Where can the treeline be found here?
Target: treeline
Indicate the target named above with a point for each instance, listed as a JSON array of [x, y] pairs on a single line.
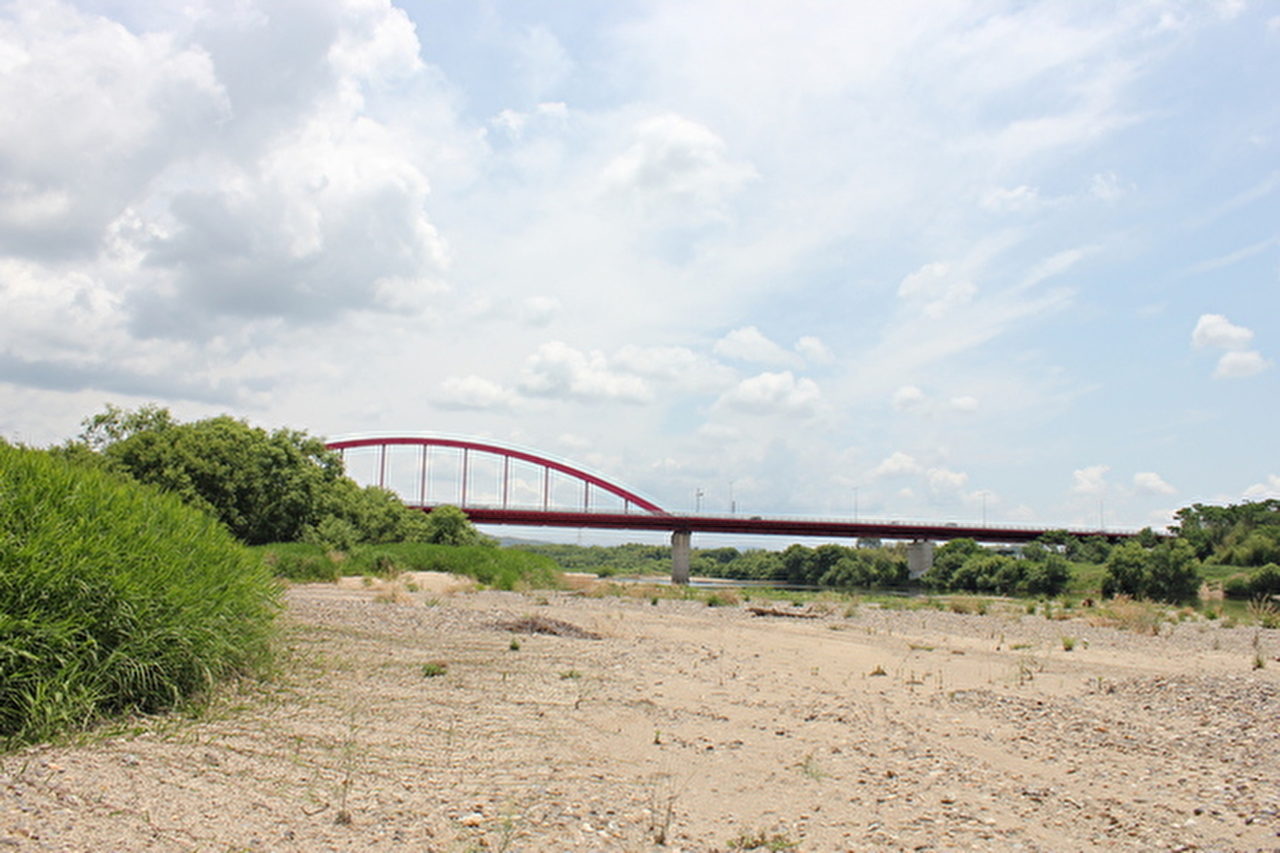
[[1246, 534], [279, 486], [1148, 566], [962, 565]]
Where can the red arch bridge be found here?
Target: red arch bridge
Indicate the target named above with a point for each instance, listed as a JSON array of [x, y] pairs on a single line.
[[497, 484]]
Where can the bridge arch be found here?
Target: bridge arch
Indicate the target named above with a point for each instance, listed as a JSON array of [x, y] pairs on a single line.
[[469, 446]]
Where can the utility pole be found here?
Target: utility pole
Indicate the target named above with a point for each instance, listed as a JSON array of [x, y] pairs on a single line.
[[697, 501], [733, 505]]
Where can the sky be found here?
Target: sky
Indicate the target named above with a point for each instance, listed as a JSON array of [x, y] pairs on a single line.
[[938, 260]]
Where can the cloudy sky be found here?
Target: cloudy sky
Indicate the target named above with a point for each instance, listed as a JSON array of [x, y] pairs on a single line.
[[937, 256]]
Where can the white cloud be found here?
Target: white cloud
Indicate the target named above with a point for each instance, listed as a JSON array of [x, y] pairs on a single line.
[[944, 481], [1054, 265], [1215, 330], [896, 464], [1090, 480], [750, 344], [679, 164], [1236, 365], [769, 393], [511, 121], [936, 289], [557, 370], [474, 392], [1020, 199], [543, 61], [911, 399], [1270, 488], [1152, 483], [1228, 9], [908, 398], [678, 367], [814, 350], [1105, 186]]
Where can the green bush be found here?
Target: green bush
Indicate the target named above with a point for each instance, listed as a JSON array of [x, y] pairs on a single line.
[[302, 561], [1168, 572], [1264, 582], [115, 598], [266, 487], [281, 486], [502, 568], [448, 525]]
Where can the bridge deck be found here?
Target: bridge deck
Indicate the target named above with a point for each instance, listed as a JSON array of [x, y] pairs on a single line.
[[757, 525]]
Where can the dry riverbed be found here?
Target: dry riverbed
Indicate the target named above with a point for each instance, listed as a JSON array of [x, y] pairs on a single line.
[[693, 727]]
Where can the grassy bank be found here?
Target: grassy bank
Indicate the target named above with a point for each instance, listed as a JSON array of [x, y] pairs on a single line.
[[499, 568], [115, 599]]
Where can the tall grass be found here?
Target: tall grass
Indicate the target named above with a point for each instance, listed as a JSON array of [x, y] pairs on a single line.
[[501, 568], [115, 598]]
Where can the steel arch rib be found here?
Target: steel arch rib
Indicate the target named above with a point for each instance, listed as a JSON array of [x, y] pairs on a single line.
[[499, 450]]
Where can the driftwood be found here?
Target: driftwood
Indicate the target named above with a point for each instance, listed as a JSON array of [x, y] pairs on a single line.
[[790, 614]]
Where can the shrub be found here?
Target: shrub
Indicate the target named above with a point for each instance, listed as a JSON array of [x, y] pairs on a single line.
[[115, 598], [280, 486], [1173, 572], [1263, 583], [503, 568], [948, 559], [302, 561], [448, 525], [266, 487], [1126, 568], [1048, 576], [1168, 572]]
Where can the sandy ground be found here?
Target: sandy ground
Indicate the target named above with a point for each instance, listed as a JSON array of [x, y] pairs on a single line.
[[687, 726]]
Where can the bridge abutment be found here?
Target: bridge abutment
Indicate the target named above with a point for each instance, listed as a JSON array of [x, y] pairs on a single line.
[[919, 558], [681, 549]]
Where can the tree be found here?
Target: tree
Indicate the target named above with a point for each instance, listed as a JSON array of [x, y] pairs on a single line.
[[1126, 571], [1168, 572], [279, 486], [1035, 552], [1217, 532], [799, 565], [1049, 576], [1088, 549], [265, 487], [949, 558], [1173, 572], [448, 525], [115, 424]]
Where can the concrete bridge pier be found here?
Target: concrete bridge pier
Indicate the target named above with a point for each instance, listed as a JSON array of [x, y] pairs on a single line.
[[919, 558], [681, 541]]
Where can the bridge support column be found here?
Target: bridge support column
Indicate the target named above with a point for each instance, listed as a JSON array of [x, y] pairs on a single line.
[[919, 558], [681, 541]]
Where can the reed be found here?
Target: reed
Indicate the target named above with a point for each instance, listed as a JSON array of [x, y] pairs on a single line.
[[115, 599]]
